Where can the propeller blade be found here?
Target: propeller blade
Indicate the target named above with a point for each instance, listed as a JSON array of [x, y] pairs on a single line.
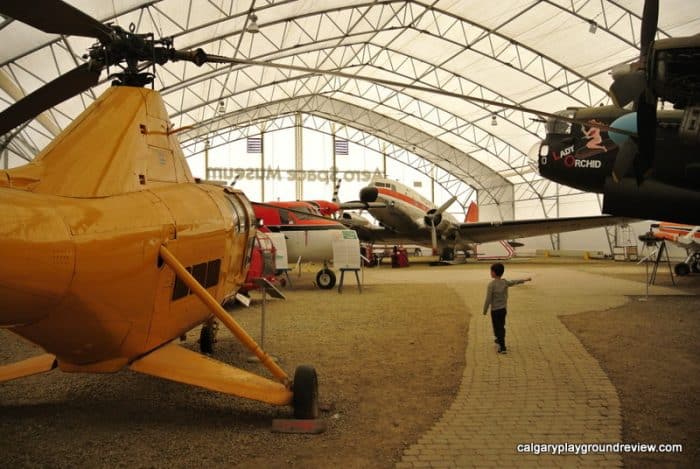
[[447, 204], [627, 87], [646, 127], [433, 238], [65, 86], [625, 159], [57, 17], [650, 18]]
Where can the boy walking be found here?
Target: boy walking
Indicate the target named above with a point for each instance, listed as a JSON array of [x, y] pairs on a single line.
[[497, 298]]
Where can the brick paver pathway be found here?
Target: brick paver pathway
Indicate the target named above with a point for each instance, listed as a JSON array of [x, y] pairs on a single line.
[[547, 389]]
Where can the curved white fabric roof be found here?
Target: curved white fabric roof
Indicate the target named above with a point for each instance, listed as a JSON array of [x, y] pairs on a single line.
[[540, 54]]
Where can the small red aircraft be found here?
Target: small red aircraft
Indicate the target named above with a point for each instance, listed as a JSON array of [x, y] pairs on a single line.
[[684, 236], [309, 234]]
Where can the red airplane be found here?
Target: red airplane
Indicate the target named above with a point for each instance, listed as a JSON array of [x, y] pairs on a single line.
[[309, 234], [684, 236]]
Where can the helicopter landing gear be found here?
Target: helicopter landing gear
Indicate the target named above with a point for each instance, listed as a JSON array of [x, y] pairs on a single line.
[[305, 393], [207, 337]]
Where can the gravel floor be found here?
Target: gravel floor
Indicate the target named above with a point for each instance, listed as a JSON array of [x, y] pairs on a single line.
[[389, 362], [378, 366]]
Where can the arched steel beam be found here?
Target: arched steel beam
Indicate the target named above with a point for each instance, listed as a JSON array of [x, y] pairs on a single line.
[[495, 188]]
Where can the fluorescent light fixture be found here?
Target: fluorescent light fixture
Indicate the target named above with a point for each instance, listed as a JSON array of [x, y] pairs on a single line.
[[253, 24]]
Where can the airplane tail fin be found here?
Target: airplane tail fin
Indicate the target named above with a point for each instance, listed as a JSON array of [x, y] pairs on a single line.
[[472, 213]]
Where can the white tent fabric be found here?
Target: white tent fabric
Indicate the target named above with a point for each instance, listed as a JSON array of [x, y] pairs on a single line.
[[546, 54]]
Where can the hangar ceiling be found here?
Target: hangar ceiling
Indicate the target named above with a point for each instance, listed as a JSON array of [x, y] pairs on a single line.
[[546, 54]]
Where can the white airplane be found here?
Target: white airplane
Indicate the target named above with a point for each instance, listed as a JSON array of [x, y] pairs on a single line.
[[308, 233], [407, 217], [684, 236]]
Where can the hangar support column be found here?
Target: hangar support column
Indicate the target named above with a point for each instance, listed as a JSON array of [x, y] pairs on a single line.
[[298, 155]]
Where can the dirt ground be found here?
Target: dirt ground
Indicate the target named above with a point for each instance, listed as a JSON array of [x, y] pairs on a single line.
[[389, 360], [650, 351]]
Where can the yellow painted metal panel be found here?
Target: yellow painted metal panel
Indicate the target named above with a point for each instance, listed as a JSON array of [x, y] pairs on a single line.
[[28, 367], [38, 257], [185, 366]]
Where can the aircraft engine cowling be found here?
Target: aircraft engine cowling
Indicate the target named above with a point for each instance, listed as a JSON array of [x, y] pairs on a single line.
[[432, 218], [369, 194]]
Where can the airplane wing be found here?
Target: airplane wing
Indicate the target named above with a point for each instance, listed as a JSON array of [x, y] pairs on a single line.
[[483, 232], [494, 231], [359, 205]]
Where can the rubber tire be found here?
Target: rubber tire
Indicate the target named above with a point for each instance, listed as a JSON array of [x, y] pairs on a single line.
[[325, 279], [695, 266], [448, 254], [207, 337], [305, 393], [681, 269]]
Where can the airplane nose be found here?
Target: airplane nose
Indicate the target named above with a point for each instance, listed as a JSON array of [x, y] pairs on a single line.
[[626, 122], [369, 194], [37, 257]]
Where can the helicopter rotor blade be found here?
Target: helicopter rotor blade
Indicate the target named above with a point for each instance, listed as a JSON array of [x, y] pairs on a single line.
[[65, 86], [56, 17]]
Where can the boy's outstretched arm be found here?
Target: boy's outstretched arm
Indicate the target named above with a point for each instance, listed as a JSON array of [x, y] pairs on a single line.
[[518, 281]]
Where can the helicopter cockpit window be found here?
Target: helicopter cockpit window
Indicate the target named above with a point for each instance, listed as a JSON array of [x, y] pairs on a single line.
[[240, 218]]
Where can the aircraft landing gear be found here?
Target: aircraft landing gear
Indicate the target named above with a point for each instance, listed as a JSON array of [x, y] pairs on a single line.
[[447, 254], [681, 269], [305, 393], [325, 279], [695, 263], [207, 337]]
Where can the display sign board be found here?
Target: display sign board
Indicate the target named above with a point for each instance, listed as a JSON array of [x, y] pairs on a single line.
[[346, 253], [280, 244]]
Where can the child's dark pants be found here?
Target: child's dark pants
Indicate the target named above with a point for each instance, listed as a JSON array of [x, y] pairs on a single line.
[[498, 319]]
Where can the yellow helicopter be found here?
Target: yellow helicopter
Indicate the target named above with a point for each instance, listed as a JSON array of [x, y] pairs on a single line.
[[110, 248]]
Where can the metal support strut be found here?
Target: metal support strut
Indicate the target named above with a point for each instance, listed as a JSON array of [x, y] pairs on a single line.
[[222, 315]]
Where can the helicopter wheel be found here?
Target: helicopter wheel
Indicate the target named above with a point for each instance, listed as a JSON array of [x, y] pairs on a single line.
[[681, 269], [325, 279], [207, 337], [305, 393]]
